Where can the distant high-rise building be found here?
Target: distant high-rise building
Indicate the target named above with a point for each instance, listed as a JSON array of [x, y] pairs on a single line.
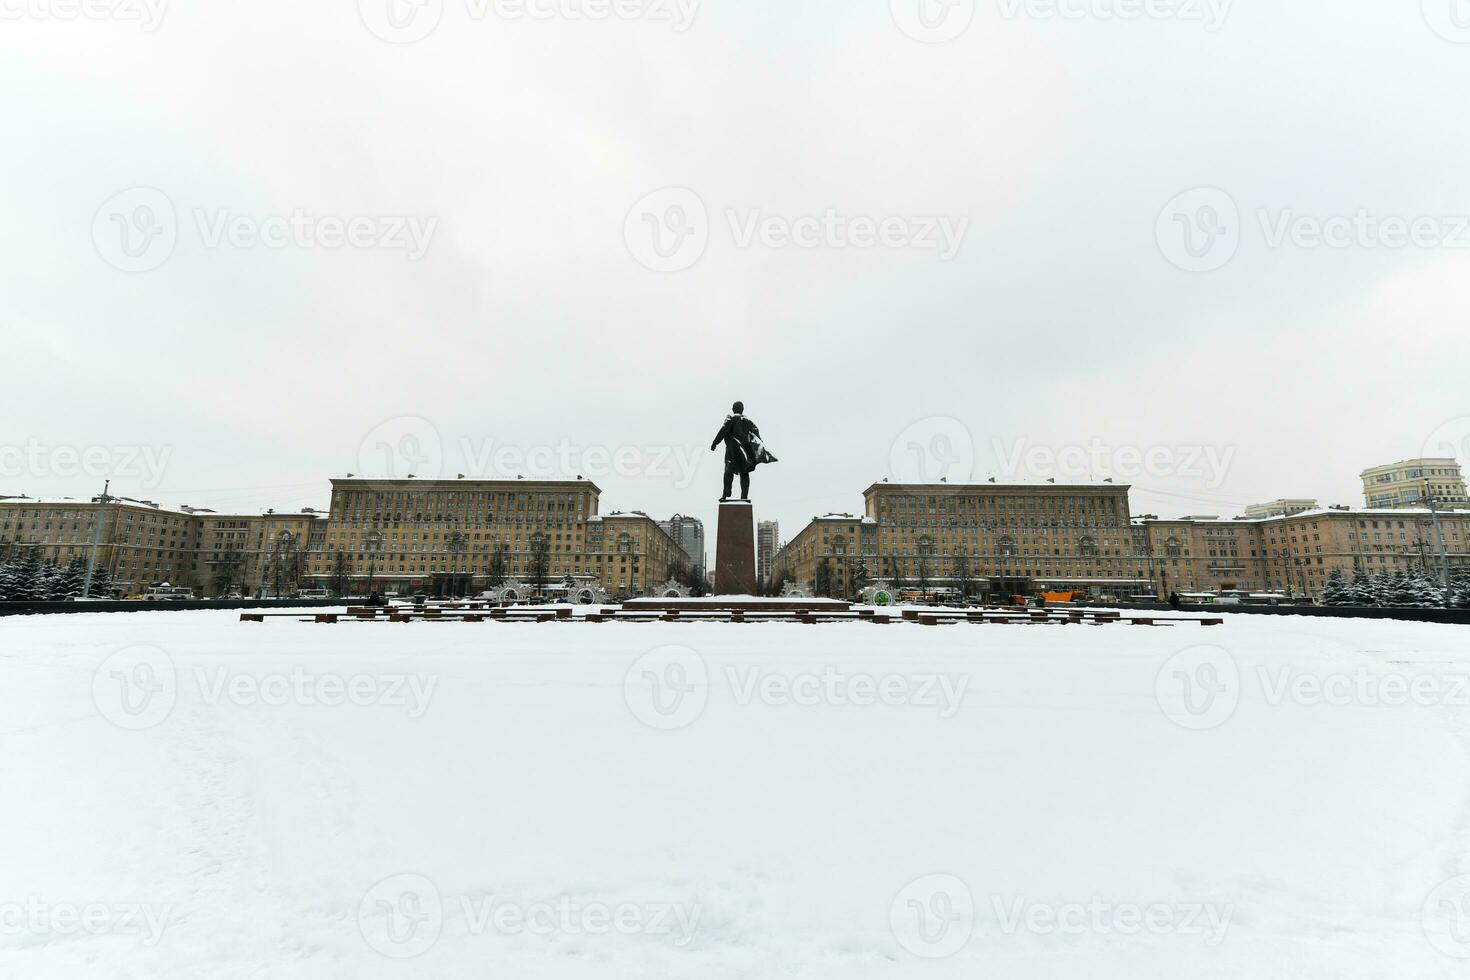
[[767, 543], [1412, 482], [689, 532], [1282, 508]]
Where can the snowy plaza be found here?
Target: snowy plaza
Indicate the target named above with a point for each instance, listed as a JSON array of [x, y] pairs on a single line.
[[189, 795]]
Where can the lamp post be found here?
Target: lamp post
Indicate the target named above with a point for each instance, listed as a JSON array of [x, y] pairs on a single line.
[[457, 548], [374, 544]]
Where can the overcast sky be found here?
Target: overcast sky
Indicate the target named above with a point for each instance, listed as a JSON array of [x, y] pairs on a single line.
[[1217, 250]]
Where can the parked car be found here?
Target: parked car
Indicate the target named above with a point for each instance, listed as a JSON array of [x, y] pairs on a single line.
[[313, 594], [168, 593]]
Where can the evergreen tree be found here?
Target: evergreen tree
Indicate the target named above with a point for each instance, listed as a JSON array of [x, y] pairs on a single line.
[[1402, 592], [67, 581], [102, 587], [1335, 592], [1428, 593], [26, 582], [1362, 589], [1461, 593], [1382, 588]]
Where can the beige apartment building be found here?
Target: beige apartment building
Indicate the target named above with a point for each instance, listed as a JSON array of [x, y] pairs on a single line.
[[1284, 507], [141, 544], [1297, 553], [443, 536], [1005, 540], [997, 538], [1413, 482]]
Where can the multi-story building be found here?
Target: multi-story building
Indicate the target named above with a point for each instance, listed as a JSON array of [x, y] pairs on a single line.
[[989, 537], [403, 535], [1413, 483], [457, 536], [689, 532], [1282, 508], [141, 544], [767, 543], [1004, 540], [1297, 552], [631, 554]]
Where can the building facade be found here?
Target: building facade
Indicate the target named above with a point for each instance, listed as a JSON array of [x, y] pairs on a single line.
[[1413, 483], [986, 538], [689, 533], [445, 537], [1021, 540], [1284, 507], [767, 543]]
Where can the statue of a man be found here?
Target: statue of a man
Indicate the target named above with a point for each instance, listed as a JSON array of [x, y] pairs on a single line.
[[743, 450]]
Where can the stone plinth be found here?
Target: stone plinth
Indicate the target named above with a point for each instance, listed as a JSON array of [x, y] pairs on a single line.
[[735, 549]]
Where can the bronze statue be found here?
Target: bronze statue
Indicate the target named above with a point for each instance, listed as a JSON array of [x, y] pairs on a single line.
[[743, 450]]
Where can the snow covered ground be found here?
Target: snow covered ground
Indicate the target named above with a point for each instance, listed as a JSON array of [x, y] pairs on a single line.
[[187, 796]]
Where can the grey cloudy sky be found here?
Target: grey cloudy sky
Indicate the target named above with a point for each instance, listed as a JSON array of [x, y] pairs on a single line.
[[1214, 249]]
